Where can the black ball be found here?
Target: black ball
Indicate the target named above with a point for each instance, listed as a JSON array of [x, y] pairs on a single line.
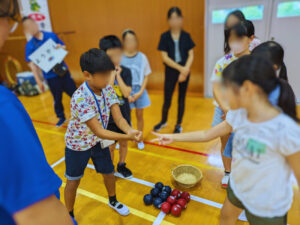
[[159, 185], [157, 202], [148, 199], [167, 189], [164, 195], [155, 192]]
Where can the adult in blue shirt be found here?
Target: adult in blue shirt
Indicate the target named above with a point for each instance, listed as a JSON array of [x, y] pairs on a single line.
[[28, 185], [57, 84]]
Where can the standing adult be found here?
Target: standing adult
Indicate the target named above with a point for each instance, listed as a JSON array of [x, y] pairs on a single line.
[[177, 52], [28, 184], [58, 82]]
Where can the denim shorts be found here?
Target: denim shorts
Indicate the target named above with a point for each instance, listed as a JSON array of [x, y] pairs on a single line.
[[141, 102], [217, 120], [76, 161]]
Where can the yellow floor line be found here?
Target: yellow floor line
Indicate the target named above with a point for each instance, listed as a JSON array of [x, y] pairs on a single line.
[[132, 210], [146, 153]]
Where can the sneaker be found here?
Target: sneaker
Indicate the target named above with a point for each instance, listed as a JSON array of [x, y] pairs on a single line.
[[178, 129], [120, 208], [61, 122], [117, 146], [225, 180], [124, 171], [141, 145], [159, 126]]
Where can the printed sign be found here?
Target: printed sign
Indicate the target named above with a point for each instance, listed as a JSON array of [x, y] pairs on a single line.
[[38, 11], [47, 55]]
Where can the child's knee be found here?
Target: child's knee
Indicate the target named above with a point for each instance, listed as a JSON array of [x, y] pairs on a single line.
[[72, 184]]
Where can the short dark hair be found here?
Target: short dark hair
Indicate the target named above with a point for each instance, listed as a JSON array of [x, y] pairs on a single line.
[[26, 18], [127, 31], [109, 42], [96, 61], [274, 52], [174, 10]]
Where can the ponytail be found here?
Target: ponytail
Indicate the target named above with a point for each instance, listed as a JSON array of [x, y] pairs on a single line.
[[283, 72], [260, 72], [287, 100]]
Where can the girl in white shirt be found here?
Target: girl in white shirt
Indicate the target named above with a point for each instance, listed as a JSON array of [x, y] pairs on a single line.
[[266, 145]]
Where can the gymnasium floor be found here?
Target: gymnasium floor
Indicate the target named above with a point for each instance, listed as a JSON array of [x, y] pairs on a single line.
[[148, 166]]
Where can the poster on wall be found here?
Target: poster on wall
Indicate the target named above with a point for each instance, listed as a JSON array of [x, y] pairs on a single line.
[[37, 10]]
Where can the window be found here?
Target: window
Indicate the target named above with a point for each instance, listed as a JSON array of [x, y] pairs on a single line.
[[255, 12], [288, 9]]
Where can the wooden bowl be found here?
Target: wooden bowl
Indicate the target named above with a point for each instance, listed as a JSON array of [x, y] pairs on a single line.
[[187, 176]]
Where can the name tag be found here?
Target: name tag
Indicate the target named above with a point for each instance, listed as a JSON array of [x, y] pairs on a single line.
[[106, 143]]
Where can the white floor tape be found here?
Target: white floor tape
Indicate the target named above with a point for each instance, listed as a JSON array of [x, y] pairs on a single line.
[[58, 162], [159, 218]]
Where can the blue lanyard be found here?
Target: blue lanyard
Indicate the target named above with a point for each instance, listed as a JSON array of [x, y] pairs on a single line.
[[104, 123]]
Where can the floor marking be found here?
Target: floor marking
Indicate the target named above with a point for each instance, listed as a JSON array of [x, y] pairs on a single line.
[[149, 184], [159, 219], [58, 162], [132, 210], [146, 142], [177, 149], [146, 153]]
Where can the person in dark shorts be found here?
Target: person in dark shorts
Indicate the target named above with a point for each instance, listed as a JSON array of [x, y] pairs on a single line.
[[87, 135], [122, 82]]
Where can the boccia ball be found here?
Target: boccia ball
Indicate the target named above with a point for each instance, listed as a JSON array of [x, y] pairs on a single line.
[[159, 185], [166, 207], [186, 196], [167, 189], [176, 210], [148, 199], [155, 192], [171, 200], [175, 193], [163, 195], [157, 202], [182, 202]]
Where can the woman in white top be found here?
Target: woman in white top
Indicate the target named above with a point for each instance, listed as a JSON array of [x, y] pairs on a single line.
[[266, 144]]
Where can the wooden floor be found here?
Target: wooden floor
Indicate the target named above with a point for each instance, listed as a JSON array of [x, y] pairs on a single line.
[[151, 165]]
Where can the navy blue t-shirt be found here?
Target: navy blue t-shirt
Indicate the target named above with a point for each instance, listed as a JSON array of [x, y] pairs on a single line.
[[25, 175], [34, 43]]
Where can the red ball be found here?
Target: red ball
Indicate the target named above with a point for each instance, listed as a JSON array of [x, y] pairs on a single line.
[[176, 193], [166, 207], [171, 200], [182, 202], [176, 210], [186, 196]]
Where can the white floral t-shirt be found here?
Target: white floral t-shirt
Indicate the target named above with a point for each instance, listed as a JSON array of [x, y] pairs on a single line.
[[79, 137]]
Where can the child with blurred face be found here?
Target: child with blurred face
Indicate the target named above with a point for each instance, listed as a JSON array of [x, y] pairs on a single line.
[[121, 80]]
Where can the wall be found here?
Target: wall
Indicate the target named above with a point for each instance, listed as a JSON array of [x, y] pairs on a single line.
[[89, 20]]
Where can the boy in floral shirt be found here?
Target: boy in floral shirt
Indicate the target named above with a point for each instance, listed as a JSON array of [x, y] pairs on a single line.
[[86, 136]]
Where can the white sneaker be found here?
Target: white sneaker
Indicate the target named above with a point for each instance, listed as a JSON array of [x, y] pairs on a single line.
[[117, 146], [120, 208], [141, 145], [225, 180], [243, 217]]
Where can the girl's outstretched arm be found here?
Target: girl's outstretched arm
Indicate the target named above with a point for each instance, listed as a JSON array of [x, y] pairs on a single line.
[[195, 136]]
